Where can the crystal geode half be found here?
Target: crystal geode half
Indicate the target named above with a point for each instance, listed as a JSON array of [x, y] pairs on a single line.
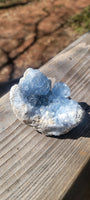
[[49, 110]]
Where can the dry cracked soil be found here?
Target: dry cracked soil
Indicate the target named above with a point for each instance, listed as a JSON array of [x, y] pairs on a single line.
[[32, 32]]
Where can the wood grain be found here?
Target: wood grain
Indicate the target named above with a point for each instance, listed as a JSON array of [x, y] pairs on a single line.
[[36, 167]]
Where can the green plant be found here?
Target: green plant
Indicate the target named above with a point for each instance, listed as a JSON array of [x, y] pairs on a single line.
[[81, 22]]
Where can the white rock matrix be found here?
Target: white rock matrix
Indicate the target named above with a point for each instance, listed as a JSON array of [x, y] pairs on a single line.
[[49, 110]]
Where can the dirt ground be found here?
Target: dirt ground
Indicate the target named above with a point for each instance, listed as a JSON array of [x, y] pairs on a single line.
[[33, 32]]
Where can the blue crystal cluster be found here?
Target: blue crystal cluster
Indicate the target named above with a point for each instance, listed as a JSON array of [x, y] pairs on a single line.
[[48, 109]]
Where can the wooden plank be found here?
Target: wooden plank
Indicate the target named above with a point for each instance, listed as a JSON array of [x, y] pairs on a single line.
[[36, 167]]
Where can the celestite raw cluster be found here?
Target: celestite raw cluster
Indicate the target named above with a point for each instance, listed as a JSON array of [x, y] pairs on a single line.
[[48, 109]]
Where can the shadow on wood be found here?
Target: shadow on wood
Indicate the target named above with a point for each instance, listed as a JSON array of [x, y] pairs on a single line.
[[5, 86], [80, 190]]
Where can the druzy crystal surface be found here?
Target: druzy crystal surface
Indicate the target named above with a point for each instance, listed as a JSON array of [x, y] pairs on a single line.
[[49, 110]]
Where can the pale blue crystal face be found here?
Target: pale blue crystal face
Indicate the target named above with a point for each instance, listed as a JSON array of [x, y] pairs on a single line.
[[34, 83], [48, 109], [61, 90]]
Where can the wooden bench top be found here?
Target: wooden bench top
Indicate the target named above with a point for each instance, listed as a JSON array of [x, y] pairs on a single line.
[[36, 167]]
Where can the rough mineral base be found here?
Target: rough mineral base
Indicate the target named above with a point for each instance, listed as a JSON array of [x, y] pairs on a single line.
[[49, 110]]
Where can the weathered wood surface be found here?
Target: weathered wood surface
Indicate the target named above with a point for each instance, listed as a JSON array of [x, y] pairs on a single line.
[[36, 167]]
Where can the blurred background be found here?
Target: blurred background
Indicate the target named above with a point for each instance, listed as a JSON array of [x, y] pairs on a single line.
[[34, 31]]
